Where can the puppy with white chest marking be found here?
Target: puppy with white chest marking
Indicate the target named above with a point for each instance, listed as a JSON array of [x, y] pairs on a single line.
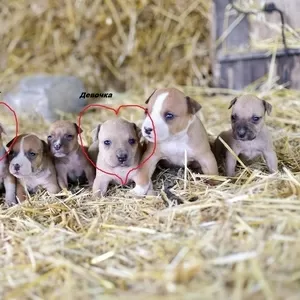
[[178, 131], [6, 178], [249, 136], [31, 162], [119, 152], [70, 162]]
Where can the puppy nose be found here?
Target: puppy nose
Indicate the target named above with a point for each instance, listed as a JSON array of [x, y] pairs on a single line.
[[57, 146], [148, 130], [242, 132], [122, 157], [17, 167]]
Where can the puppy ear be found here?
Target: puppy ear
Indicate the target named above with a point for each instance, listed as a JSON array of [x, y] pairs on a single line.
[[268, 107], [232, 102], [2, 129], [78, 129], [150, 96], [9, 143], [192, 105], [137, 130], [95, 132]]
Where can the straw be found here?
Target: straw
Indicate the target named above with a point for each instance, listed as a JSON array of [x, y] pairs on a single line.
[[194, 240], [237, 239]]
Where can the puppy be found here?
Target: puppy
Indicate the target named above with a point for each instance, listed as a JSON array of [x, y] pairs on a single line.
[[249, 136], [31, 162], [119, 152], [178, 130], [6, 178], [70, 162]]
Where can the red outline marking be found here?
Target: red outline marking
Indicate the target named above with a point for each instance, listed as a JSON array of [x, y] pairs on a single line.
[[17, 130], [116, 111]]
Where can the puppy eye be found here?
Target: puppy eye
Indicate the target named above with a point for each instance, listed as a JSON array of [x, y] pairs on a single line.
[[131, 141], [49, 137], [233, 118], [107, 142], [169, 116], [255, 119], [32, 154], [69, 137]]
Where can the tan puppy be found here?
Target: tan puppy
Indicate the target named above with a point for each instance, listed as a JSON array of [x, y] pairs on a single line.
[[249, 136], [178, 130], [70, 162], [31, 162], [6, 178], [119, 152]]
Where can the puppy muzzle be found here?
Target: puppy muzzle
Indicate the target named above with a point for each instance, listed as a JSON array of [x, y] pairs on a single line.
[[148, 133], [19, 170], [122, 158], [57, 149], [15, 169], [57, 146], [148, 130], [243, 133], [155, 129]]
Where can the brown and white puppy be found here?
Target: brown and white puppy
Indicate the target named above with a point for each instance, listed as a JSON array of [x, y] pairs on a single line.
[[119, 152], [31, 162], [249, 136], [178, 131], [70, 162], [6, 178]]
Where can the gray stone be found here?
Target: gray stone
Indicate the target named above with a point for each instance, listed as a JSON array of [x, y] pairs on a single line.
[[47, 95]]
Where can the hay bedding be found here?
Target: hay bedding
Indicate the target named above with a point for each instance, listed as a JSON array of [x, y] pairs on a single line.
[[233, 241], [110, 44]]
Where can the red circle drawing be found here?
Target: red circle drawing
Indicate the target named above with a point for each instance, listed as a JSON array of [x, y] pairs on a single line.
[[116, 111], [17, 129]]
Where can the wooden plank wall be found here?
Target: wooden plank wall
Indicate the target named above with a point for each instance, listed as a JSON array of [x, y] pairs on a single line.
[[291, 9], [240, 72]]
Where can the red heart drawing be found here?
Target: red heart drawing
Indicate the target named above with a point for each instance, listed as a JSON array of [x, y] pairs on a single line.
[[17, 129], [116, 111]]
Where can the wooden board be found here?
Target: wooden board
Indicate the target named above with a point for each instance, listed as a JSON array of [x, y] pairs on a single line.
[[259, 28], [237, 72], [239, 65]]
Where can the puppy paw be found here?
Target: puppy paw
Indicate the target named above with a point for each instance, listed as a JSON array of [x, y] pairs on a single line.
[[139, 190], [273, 170], [99, 193], [11, 201], [230, 174]]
